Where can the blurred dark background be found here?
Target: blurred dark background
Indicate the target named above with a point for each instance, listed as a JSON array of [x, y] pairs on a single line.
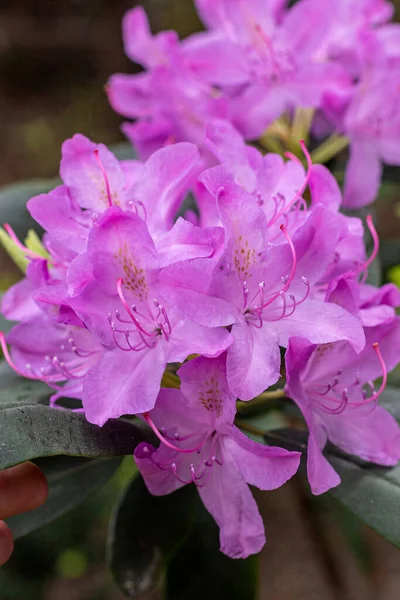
[[55, 57]]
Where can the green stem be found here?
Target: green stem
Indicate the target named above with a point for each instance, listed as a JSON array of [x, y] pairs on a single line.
[[300, 129], [170, 380], [264, 398], [249, 428], [271, 144], [328, 149]]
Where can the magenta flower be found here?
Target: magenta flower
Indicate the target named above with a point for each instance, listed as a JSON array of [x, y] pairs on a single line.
[[94, 180], [172, 102], [284, 63], [201, 445], [58, 354], [120, 303], [354, 25], [275, 185], [332, 385], [256, 61], [372, 123], [267, 288], [18, 304], [378, 305]]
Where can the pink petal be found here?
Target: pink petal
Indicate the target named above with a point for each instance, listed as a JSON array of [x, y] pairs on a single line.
[[265, 467], [228, 498], [253, 360]]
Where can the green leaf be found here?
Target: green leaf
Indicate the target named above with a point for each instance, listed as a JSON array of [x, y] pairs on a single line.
[[375, 273], [17, 391], [70, 480], [16, 253], [13, 199], [123, 151], [372, 493], [199, 570], [144, 532], [32, 431], [394, 274], [390, 399]]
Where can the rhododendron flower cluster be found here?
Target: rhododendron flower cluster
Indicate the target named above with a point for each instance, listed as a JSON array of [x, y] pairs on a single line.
[[261, 60], [135, 310]]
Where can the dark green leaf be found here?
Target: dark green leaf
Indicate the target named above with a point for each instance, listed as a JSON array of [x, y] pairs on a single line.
[[390, 399], [375, 273], [145, 531], [71, 480], [33, 431], [123, 151], [17, 391], [372, 493], [291, 439], [13, 199], [199, 570], [5, 325], [390, 253]]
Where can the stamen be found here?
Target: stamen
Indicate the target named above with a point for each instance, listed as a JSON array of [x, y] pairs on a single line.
[[163, 312], [136, 348], [284, 306], [140, 203], [142, 332], [257, 312], [134, 205], [106, 181], [384, 372], [8, 358], [63, 373], [307, 284], [300, 192], [245, 294], [375, 250], [366, 399], [276, 202], [293, 299], [294, 258], [78, 351], [175, 472], [150, 422], [340, 408]]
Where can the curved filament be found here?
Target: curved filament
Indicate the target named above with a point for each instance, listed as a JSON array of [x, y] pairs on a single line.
[[166, 442]]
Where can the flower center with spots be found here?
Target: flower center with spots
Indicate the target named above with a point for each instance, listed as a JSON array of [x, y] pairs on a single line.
[[210, 396], [134, 275]]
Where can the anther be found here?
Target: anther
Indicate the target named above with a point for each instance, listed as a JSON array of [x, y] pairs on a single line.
[[299, 193]]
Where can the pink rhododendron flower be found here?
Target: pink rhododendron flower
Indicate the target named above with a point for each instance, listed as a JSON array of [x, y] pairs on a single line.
[[200, 444], [260, 60], [373, 124], [332, 385], [124, 291]]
